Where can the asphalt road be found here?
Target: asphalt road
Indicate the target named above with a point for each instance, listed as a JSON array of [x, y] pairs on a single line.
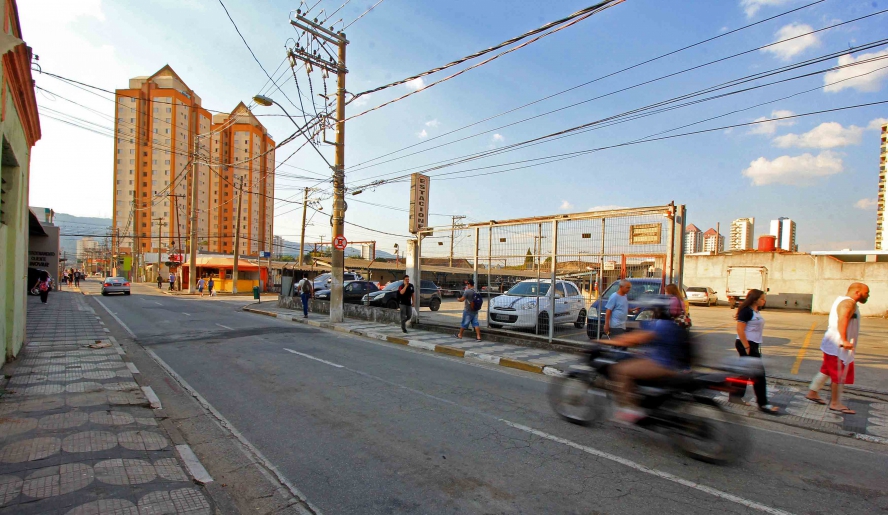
[[362, 427]]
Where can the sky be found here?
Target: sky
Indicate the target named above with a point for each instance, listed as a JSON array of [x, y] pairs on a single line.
[[820, 170]]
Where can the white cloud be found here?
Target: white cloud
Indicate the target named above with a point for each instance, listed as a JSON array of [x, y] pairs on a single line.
[[770, 128], [875, 125], [432, 123], [866, 203], [565, 205], [422, 134], [605, 208], [869, 83], [498, 137], [752, 6], [798, 170], [415, 84], [825, 135], [361, 101], [789, 49]]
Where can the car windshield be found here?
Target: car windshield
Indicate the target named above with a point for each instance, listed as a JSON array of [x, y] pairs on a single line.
[[638, 289], [116, 279], [529, 289], [697, 289], [393, 286]]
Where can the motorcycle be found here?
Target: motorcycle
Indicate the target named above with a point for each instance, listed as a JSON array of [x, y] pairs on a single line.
[[682, 407]]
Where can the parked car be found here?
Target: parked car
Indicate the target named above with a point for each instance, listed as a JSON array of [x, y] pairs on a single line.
[[429, 296], [353, 291], [640, 288], [527, 305], [115, 285], [323, 281], [702, 295]]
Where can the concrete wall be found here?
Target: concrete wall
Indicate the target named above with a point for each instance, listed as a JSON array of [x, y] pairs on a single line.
[[798, 281], [43, 252], [358, 311]]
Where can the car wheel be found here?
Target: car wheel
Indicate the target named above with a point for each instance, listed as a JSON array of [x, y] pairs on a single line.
[[435, 304], [104, 294], [392, 304], [126, 293], [581, 320], [543, 323]]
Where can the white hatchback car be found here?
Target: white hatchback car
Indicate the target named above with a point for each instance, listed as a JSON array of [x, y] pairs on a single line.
[[527, 305]]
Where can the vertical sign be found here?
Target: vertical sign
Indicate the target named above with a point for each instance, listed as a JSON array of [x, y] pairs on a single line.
[[419, 202]]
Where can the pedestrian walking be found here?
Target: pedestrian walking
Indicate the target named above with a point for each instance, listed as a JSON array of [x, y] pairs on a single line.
[[43, 286], [159, 281], [172, 280], [470, 311], [211, 287], [306, 291], [77, 278], [405, 302], [750, 327], [617, 310], [200, 286], [838, 346]]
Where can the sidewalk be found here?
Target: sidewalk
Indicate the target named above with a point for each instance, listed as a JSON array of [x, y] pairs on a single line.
[[77, 432], [870, 422]]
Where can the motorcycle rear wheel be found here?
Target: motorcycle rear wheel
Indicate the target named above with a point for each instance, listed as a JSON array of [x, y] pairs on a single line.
[[709, 433], [575, 397]]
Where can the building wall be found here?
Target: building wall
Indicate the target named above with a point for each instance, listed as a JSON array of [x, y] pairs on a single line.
[[19, 131], [795, 280]]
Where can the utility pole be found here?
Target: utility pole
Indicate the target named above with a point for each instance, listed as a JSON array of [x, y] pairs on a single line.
[[192, 258], [240, 196], [159, 243], [453, 220], [302, 236]]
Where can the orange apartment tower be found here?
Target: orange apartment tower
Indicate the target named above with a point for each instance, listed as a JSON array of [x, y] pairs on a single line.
[[163, 134]]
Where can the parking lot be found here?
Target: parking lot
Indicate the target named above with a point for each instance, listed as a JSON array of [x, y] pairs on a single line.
[[791, 347]]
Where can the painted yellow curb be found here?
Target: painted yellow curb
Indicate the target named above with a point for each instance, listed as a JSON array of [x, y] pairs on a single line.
[[395, 339], [443, 349], [521, 365]]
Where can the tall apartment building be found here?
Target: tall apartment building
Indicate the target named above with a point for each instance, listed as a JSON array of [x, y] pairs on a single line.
[[880, 216], [159, 126], [86, 245], [693, 239], [785, 231], [713, 241], [742, 233], [278, 247]]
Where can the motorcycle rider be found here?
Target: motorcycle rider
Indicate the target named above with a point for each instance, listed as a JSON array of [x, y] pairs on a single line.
[[663, 354]]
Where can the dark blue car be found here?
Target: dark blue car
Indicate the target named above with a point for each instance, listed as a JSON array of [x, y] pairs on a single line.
[[640, 288]]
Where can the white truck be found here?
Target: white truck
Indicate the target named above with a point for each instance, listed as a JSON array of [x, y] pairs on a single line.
[[741, 279]]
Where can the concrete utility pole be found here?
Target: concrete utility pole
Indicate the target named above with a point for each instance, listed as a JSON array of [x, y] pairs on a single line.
[[453, 220], [192, 258], [302, 236], [240, 196], [337, 261], [159, 244]]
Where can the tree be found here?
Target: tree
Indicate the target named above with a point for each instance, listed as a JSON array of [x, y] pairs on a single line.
[[528, 260]]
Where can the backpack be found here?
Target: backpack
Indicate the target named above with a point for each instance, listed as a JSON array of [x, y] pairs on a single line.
[[477, 302], [43, 286], [306, 286]]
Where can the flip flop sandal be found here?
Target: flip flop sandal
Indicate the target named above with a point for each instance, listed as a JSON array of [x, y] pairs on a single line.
[[816, 401], [769, 409], [844, 411]]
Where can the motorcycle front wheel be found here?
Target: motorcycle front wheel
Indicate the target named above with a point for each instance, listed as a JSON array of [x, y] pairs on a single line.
[[707, 432], [577, 397]]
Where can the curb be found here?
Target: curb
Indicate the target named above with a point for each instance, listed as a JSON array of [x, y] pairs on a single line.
[[547, 370], [440, 349]]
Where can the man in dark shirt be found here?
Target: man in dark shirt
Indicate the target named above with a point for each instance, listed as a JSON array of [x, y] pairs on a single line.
[[405, 301]]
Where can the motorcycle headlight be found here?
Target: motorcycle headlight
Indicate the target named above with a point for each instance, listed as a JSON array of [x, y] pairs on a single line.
[[593, 313], [529, 305]]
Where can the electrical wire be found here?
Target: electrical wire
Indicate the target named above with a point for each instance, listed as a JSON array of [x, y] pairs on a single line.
[[362, 15]]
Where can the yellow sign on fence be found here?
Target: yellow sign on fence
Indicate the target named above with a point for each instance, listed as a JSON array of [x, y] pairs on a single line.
[[645, 234]]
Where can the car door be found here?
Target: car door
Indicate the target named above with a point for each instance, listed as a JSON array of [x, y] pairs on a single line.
[[574, 300], [427, 290], [350, 292], [562, 307]]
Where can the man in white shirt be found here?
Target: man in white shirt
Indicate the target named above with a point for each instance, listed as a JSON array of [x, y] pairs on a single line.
[[838, 347]]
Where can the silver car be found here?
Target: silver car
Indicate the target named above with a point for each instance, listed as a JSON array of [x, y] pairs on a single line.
[[115, 285], [702, 295]]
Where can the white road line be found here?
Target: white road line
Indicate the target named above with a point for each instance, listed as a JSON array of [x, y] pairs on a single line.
[[186, 314], [158, 303], [226, 327], [647, 470], [314, 358], [119, 321]]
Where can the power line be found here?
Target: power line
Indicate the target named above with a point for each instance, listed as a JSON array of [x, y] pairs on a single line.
[[661, 56], [362, 15]]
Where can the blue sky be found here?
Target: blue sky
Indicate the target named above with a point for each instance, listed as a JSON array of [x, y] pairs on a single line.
[[820, 170]]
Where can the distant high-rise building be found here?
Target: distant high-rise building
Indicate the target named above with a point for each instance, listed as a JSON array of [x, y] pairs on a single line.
[[278, 249], [693, 239], [85, 246], [741, 234], [713, 241], [880, 217], [160, 128], [785, 231]]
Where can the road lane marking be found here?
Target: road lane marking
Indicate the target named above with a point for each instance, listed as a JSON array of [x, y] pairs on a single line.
[[158, 303], [647, 470], [119, 321], [226, 327], [804, 350], [186, 314], [314, 358]]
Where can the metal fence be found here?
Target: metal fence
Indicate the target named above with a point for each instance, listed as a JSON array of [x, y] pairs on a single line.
[[582, 254]]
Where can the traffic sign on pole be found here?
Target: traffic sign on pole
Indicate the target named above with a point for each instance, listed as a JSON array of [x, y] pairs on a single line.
[[340, 242]]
